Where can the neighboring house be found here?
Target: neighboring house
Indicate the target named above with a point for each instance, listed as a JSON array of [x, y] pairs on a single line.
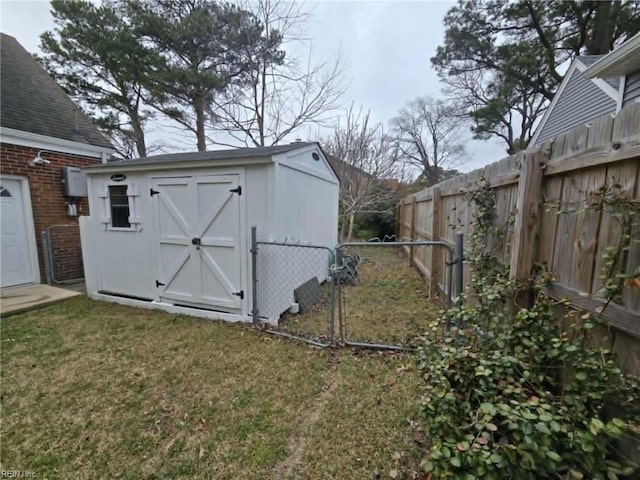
[[41, 132], [594, 86]]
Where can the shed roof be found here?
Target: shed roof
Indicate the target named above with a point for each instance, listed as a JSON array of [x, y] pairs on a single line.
[[31, 101], [210, 155]]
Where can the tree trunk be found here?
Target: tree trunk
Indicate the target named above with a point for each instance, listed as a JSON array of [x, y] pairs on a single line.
[[343, 228], [602, 34], [198, 106], [138, 135], [352, 218]]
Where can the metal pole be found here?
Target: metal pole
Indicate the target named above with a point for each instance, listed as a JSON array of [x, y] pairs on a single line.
[[254, 275], [46, 250], [458, 263], [332, 296]]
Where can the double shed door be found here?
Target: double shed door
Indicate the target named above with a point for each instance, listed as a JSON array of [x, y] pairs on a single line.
[[198, 223]]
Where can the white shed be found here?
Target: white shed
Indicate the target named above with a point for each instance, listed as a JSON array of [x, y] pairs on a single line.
[[173, 231]]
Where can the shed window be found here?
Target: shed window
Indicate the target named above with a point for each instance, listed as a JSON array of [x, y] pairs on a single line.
[[119, 201]]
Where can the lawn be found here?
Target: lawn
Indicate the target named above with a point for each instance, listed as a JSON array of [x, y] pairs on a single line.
[[96, 390], [390, 304]]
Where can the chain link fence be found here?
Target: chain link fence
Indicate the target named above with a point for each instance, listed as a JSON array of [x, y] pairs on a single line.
[[360, 294], [62, 253], [292, 291]]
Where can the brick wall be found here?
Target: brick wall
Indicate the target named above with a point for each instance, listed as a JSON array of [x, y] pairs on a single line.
[[49, 205]]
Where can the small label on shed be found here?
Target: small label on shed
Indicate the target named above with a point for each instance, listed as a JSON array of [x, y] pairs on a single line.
[[118, 177]]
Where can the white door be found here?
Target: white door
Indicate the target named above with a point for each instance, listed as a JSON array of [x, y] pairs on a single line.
[[198, 224], [16, 261]]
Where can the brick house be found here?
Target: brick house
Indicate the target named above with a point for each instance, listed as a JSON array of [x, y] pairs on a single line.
[[41, 132]]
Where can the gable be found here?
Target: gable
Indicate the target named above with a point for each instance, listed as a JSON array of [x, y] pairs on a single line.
[[311, 160], [578, 102]]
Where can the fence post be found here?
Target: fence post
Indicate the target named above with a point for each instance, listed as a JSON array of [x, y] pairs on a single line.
[[254, 275], [399, 215], [413, 229], [527, 215], [436, 252], [46, 253], [458, 269]]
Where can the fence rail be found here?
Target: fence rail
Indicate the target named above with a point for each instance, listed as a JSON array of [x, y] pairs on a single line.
[[567, 172]]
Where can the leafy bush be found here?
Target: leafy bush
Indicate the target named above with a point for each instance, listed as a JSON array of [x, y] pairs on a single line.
[[521, 402]]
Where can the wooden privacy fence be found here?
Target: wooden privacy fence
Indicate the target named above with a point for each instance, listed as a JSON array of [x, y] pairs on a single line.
[[566, 172]]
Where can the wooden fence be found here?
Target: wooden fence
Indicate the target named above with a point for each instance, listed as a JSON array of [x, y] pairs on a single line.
[[566, 172]]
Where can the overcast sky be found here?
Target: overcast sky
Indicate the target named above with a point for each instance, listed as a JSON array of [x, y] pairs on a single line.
[[386, 46]]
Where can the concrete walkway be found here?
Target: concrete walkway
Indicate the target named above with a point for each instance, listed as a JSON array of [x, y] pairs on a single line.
[[21, 299]]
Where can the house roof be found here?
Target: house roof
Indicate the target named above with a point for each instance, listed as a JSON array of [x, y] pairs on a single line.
[[211, 155], [622, 61], [31, 101]]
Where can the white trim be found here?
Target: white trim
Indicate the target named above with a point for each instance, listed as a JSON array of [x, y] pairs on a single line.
[[30, 230], [603, 84], [619, 100], [177, 165], [169, 308], [608, 64], [44, 142]]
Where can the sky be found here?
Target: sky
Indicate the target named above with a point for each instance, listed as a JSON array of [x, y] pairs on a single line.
[[386, 46]]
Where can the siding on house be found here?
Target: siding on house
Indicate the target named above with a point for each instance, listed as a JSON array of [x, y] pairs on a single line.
[[580, 102], [631, 89]]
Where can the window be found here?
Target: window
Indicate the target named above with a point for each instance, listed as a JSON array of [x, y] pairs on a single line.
[[4, 192], [119, 206]]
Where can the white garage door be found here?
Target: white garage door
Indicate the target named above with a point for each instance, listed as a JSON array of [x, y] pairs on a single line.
[[16, 262], [198, 222]]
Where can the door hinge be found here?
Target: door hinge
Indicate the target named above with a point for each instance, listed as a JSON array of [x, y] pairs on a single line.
[[154, 192], [237, 190], [159, 284], [240, 294]]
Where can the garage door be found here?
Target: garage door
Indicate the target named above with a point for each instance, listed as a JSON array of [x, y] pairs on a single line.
[[16, 262], [198, 229]]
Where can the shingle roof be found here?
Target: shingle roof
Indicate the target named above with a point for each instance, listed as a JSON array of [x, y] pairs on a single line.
[[228, 154], [31, 101], [589, 60]]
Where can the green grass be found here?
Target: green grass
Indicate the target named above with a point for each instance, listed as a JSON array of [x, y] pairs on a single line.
[[389, 305], [97, 390]]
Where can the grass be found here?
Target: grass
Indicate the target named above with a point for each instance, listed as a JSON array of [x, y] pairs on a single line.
[[96, 390], [389, 305]]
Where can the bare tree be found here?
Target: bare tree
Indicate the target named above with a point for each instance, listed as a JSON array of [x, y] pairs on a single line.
[[428, 132], [366, 162], [279, 97], [510, 116]]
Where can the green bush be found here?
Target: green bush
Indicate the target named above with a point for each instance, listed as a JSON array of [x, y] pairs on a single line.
[[521, 402]]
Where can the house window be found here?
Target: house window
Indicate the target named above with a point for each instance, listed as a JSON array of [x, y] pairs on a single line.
[[119, 201], [4, 192]]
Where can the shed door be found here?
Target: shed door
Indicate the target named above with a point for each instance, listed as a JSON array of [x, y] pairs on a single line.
[[198, 222]]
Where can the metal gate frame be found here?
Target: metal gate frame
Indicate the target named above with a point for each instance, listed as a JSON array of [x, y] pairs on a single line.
[[46, 237], [454, 272], [255, 286]]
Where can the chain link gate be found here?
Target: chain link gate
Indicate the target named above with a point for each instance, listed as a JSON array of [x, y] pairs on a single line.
[[292, 277], [381, 298], [280, 270]]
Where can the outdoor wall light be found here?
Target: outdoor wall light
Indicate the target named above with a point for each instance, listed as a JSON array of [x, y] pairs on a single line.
[[38, 160]]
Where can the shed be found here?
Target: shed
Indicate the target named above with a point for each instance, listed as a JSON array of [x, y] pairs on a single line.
[[173, 231]]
